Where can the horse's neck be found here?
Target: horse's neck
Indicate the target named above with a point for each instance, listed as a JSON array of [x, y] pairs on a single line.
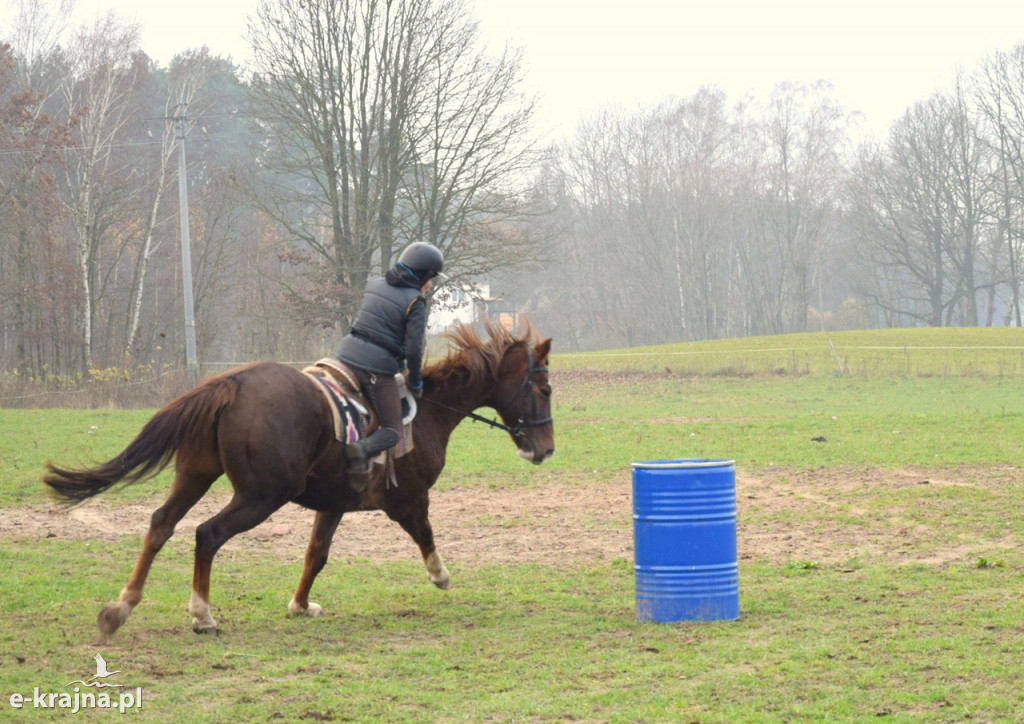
[[453, 399]]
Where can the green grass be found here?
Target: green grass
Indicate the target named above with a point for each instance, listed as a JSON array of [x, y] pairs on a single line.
[[929, 351], [763, 421], [916, 643], [913, 616], [602, 426]]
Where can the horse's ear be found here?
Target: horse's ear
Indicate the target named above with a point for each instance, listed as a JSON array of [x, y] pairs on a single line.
[[543, 349]]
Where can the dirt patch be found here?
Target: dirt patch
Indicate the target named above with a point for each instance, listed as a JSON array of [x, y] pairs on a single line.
[[826, 516], [473, 524], [833, 516]]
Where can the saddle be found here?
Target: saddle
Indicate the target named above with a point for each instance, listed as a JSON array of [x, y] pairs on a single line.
[[353, 415]]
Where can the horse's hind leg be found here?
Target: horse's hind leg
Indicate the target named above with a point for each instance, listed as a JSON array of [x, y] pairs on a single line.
[[413, 519], [324, 527], [187, 489], [239, 515]]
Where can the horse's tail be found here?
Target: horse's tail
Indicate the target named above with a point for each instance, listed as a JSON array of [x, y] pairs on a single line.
[[187, 420]]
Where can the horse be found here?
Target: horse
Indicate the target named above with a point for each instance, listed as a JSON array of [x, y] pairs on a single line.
[[270, 430]]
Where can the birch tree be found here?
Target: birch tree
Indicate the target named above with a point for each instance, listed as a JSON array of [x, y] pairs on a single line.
[[187, 77], [105, 66], [793, 206]]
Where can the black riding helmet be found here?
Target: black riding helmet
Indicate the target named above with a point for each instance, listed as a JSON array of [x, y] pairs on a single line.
[[424, 261]]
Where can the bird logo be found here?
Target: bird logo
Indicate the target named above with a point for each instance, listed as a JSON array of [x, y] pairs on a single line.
[[101, 669], [101, 673]]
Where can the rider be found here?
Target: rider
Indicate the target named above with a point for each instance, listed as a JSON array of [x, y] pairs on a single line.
[[388, 334]]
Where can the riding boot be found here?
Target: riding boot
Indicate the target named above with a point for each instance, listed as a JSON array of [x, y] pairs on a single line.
[[361, 452]]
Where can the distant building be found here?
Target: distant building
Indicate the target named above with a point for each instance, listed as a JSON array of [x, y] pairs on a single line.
[[470, 304]]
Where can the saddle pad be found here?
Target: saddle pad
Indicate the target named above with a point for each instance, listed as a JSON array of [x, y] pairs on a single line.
[[339, 371], [351, 417], [348, 415]]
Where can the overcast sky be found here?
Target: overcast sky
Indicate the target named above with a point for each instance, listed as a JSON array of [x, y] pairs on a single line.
[[582, 55]]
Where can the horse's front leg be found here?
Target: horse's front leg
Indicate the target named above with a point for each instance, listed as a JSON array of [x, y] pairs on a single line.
[[324, 526], [437, 570], [413, 518]]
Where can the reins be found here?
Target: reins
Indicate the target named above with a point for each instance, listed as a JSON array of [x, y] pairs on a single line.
[[519, 429]]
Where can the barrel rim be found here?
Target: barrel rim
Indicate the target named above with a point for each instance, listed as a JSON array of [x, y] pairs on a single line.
[[696, 463]]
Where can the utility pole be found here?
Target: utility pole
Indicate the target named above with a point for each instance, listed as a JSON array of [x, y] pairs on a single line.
[[181, 120], [191, 358]]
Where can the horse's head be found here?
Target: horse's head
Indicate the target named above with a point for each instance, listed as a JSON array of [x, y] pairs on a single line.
[[505, 372], [523, 399]]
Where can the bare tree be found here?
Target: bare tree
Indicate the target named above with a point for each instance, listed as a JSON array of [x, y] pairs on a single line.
[[38, 26], [386, 123], [594, 183], [1000, 97], [104, 68], [322, 89], [188, 74], [970, 202], [696, 140], [36, 287], [923, 204], [470, 152], [794, 203], [900, 220]]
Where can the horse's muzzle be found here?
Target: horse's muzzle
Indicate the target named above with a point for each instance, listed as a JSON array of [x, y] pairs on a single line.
[[533, 457]]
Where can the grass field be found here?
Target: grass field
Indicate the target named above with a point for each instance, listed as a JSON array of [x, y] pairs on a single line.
[[932, 351], [881, 568]]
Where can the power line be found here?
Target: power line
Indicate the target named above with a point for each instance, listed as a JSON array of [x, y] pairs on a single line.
[[33, 149], [124, 144]]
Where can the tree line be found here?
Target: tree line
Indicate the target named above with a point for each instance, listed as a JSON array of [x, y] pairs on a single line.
[[361, 125], [703, 218]]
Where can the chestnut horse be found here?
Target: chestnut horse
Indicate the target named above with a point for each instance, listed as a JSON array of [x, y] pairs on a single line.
[[269, 429]]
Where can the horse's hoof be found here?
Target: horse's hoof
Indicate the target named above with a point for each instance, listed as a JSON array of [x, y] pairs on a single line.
[[437, 571], [443, 583], [206, 625], [312, 610], [111, 617]]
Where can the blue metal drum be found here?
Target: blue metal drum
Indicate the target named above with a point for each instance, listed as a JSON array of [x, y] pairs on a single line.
[[684, 530]]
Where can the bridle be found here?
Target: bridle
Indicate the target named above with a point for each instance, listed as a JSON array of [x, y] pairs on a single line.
[[521, 426]]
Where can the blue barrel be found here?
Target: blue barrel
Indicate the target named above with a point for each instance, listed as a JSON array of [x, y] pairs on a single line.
[[684, 530]]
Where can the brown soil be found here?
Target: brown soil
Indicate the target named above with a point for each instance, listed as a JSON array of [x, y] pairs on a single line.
[[782, 517]]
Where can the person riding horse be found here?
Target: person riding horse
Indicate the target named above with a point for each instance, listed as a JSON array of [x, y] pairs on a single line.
[[388, 335]]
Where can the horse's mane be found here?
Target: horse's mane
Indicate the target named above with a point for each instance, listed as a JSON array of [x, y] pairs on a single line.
[[475, 357]]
